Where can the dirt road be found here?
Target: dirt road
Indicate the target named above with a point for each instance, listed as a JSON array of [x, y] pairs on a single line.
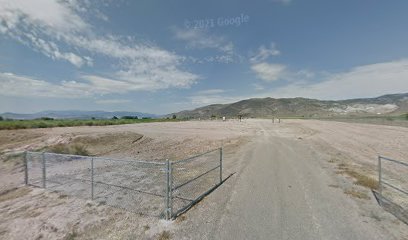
[[284, 194], [287, 186]]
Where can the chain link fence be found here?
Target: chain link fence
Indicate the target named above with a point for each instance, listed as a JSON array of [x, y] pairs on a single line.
[[164, 189], [392, 187]]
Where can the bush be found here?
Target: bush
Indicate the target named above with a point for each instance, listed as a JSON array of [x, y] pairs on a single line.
[[129, 117], [47, 118]]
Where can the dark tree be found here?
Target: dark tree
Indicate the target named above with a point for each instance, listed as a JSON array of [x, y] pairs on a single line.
[[174, 116]]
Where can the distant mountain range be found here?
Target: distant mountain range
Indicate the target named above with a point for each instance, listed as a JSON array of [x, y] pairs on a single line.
[[76, 115], [393, 104]]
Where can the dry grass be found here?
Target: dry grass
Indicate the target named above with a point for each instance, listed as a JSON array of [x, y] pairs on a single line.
[[13, 193], [75, 149], [165, 235], [181, 218], [360, 179], [146, 227], [357, 194]]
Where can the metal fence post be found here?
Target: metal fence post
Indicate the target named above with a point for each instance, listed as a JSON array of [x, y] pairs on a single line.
[[44, 171], [379, 180], [92, 178], [220, 165], [25, 169], [170, 189], [167, 189]]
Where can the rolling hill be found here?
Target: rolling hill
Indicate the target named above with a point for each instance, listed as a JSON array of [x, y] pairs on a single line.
[[393, 104]]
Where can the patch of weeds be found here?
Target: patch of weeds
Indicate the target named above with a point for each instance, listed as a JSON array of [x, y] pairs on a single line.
[[71, 236], [181, 218], [59, 148], [334, 186], [165, 235], [13, 193], [146, 227], [62, 196], [342, 166], [76, 149], [360, 179], [79, 150], [357, 194]]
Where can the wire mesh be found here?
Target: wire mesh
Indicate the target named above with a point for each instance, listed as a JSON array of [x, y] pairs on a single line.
[[132, 185], [394, 177], [135, 186], [34, 168], [193, 178], [148, 188]]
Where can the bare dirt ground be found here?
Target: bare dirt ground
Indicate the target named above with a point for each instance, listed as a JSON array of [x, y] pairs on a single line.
[[301, 179]]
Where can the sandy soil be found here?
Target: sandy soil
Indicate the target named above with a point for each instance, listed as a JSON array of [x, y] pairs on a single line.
[[327, 145]]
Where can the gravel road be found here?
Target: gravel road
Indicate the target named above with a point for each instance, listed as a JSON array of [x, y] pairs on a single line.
[[284, 194]]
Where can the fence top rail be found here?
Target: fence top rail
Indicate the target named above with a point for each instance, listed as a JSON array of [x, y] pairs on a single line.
[[393, 160], [99, 158], [194, 157]]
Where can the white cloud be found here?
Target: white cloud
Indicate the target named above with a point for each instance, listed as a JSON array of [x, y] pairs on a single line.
[[210, 92], [112, 101], [370, 80], [90, 85], [47, 13], [264, 53], [269, 72], [23, 86], [363, 81], [211, 96], [48, 25], [201, 39]]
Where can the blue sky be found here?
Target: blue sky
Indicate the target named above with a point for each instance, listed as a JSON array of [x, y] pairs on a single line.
[[165, 56]]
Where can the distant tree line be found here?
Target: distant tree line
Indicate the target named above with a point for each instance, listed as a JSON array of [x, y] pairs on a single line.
[[130, 117]]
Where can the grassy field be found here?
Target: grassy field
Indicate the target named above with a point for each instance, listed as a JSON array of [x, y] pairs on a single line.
[[40, 123], [401, 120]]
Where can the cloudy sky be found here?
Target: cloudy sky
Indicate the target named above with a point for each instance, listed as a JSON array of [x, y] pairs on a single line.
[[162, 56]]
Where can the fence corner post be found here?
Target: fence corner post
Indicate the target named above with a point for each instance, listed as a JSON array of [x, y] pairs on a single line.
[[44, 170], [379, 180], [221, 165], [25, 168]]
